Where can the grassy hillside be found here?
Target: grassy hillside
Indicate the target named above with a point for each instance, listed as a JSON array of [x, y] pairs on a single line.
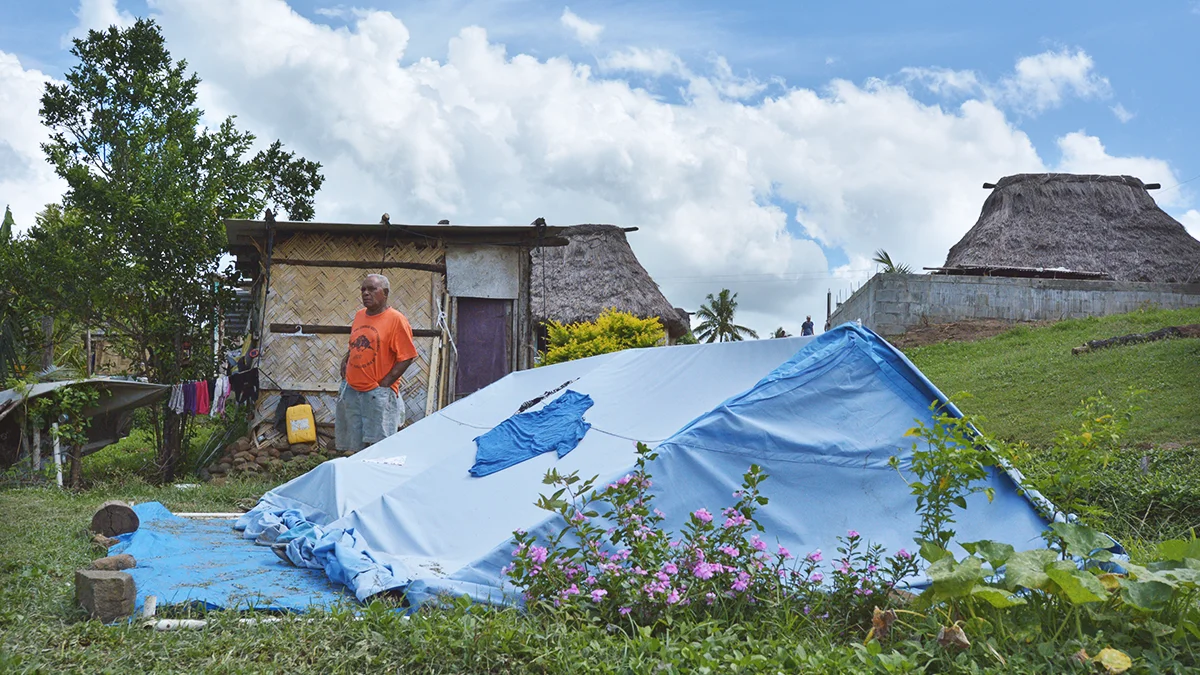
[[1026, 382]]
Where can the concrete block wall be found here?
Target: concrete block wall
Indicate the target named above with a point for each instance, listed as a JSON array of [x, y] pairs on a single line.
[[890, 304]]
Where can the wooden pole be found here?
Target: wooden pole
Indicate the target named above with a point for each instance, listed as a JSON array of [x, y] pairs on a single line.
[[57, 455], [87, 347], [362, 264], [37, 449]]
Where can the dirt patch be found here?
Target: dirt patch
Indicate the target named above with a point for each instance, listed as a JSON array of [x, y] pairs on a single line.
[[958, 331]]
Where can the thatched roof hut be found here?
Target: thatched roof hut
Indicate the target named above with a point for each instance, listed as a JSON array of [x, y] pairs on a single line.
[[1098, 224], [596, 271]]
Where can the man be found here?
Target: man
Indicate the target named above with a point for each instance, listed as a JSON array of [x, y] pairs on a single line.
[[806, 328], [369, 407]]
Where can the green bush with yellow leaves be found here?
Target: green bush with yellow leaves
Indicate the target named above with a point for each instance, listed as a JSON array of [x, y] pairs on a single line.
[[612, 331]]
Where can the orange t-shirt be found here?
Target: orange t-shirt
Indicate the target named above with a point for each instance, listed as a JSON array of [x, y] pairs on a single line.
[[377, 343]]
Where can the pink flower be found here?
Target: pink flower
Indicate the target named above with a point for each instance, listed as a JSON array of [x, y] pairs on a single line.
[[703, 571], [817, 577], [815, 556], [571, 590], [624, 611], [660, 514], [758, 544], [624, 480], [853, 534], [739, 585], [590, 580], [578, 517], [537, 554], [662, 576], [703, 515], [598, 594], [672, 598], [710, 598], [735, 519], [729, 551], [903, 555], [787, 555], [871, 568], [670, 568]]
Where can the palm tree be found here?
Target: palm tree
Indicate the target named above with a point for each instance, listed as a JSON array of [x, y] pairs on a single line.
[[882, 257], [716, 319], [780, 333]]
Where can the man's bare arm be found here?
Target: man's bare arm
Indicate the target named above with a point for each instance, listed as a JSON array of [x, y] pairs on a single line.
[[395, 373], [345, 362]]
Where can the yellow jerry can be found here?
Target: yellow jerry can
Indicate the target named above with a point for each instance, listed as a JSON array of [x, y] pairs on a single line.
[[301, 427]]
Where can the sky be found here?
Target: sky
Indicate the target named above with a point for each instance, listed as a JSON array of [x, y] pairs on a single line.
[[766, 147]]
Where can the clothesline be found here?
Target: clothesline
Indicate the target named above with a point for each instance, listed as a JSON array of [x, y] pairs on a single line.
[[201, 397]]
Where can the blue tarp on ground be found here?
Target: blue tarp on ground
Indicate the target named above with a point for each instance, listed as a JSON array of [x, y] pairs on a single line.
[[820, 415], [182, 561]]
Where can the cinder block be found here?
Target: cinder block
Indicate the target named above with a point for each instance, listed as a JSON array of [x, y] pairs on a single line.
[[107, 596]]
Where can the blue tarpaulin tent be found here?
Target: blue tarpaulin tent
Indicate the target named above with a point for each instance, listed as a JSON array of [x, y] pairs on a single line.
[[821, 415]]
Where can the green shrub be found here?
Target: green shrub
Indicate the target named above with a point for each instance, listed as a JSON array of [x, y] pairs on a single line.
[[612, 331]]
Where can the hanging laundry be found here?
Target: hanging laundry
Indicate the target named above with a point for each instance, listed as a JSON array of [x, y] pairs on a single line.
[[557, 427], [220, 396], [175, 402], [189, 398], [245, 385], [203, 403]]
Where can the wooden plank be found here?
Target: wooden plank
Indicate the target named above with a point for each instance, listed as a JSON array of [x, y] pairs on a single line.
[[292, 385], [321, 329], [362, 264]]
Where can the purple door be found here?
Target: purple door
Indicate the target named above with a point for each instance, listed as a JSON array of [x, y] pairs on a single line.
[[482, 344]]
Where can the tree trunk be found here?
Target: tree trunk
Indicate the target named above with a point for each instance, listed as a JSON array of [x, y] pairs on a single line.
[[76, 467], [47, 342], [171, 450]]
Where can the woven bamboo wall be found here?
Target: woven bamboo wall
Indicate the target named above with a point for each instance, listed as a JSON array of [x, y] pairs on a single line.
[[329, 296]]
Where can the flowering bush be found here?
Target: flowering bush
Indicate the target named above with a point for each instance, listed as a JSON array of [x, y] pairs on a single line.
[[622, 565]]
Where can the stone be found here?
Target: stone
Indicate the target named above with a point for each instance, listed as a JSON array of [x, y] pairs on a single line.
[[107, 596], [241, 444], [285, 456], [244, 456], [223, 467], [105, 542], [280, 443], [273, 452], [113, 563], [113, 518], [204, 475], [263, 460], [303, 448]]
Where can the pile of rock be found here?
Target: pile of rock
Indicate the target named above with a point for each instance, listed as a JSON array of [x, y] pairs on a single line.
[[267, 450]]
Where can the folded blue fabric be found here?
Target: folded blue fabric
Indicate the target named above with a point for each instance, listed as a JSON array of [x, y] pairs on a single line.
[[557, 427]]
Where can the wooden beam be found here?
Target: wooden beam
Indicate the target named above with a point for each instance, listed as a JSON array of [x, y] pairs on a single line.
[[319, 329], [362, 264]]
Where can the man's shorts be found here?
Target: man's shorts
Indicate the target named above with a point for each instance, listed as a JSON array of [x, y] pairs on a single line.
[[366, 417]]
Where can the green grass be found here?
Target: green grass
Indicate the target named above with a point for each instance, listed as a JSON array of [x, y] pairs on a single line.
[[1026, 382]]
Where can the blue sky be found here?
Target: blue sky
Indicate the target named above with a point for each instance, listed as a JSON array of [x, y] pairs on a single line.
[[768, 145]]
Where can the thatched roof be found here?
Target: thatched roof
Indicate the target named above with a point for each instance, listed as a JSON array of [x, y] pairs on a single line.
[[596, 271], [1105, 224]]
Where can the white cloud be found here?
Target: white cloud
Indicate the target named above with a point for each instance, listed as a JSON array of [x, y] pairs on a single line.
[[586, 32], [1191, 220], [96, 15], [335, 12], [654, 62], [1122, 114], [830, 60], [1037, 83], [1042, 81], [27, 182], [727, 193], [1086, 154]]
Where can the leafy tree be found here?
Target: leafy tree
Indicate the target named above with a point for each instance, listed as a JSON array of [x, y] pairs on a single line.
[[882, 257], [148, 187], [716, 319], [780, 333], [612, 331]]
